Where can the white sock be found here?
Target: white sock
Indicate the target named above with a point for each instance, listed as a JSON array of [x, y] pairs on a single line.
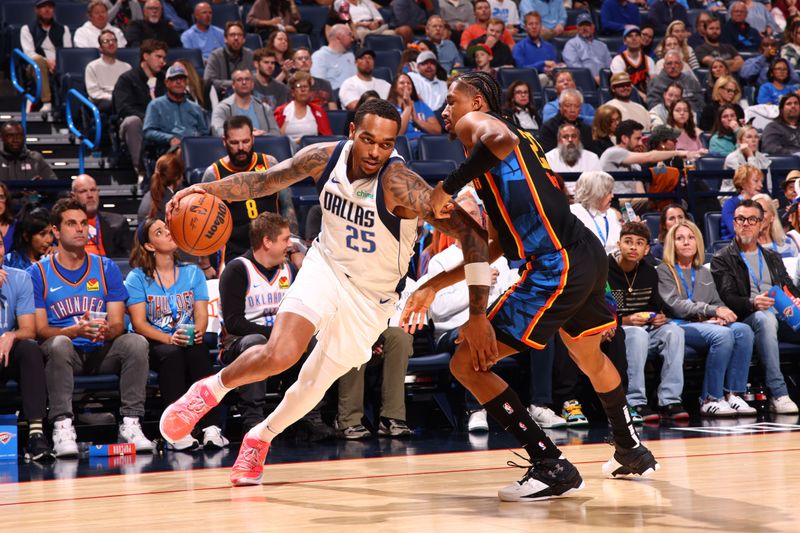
[[130, 420], [214, 384], [316, 376]]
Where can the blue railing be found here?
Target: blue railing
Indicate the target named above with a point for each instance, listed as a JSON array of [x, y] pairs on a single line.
[[34, 97], [72, 96]]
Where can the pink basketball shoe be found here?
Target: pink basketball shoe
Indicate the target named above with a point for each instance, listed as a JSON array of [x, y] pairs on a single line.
[[179, 419], [249, 466]]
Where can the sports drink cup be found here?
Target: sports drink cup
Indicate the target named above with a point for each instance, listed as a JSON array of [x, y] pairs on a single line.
[[188, 329], [97, 316]]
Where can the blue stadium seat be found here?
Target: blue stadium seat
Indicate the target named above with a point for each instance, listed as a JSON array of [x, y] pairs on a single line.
[[605, 78], [388, 58], [199, 153], [253, 41], [614, 43], [403, 147], [711, 223], [193, 55], [784, 162], [432, 171], [440, 147], [384, 42], [19, 14], [279, 147], [72, 15], [652, 220], [222, 13], [129, 56], [317, 16], [300, 40], [584, 80], [710, 163], [338, 120], [702, 76], [74, 60], [384, 73], [307, 140]]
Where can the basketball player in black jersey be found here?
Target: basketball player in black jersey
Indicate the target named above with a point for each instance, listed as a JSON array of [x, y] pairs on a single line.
[[561, 289]]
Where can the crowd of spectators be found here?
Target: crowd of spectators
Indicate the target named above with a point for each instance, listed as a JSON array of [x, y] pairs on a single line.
[[629, 87]]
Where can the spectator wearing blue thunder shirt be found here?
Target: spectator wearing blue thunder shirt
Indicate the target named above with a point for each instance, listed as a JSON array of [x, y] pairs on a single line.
[[203, 35], [164, 296], [68, 287], [20, 355], [552, 12], [616, 15]]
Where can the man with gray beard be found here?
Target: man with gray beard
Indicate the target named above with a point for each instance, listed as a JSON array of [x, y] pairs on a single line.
[[569, 156]]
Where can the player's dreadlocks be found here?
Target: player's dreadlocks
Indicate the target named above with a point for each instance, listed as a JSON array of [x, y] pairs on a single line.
[[487, 86]]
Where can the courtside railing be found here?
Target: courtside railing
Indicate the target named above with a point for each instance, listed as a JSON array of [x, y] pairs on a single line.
[[74, 97], [32, 97]]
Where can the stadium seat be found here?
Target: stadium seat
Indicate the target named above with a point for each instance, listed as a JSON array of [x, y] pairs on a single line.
[[605, 78], [702, 76], [19, 14], [384, 73], [784, 162], [440, 147], [432, 171], [200, 152], [613, 42], [384, 42], [307, 140], [72, 15], [129, 56], [652, 220], [74, 60], [338, 120], [711, 223], [710, 163], [317, 16], [253, 41], [583, 80], [388, 58], [300, 40], [223, 13], [403, 147], [279, 147]]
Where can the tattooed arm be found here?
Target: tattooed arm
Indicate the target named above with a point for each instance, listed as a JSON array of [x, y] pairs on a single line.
[[408, 196], [310, 161]]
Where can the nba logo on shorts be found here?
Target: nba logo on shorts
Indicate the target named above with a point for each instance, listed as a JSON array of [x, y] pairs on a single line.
[[508, 408]]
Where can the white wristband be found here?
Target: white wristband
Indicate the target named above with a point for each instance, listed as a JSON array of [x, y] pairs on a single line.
[[478, 274]]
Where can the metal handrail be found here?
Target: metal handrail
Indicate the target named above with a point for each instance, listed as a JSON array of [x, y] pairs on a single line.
[[72, 95], [33, 98]]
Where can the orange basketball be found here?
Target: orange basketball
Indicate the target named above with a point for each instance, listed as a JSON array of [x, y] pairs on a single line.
[[201, 225]]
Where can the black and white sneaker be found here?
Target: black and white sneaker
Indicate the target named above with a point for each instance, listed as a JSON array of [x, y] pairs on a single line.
[[38, 449], [628, 462], [545, 479]]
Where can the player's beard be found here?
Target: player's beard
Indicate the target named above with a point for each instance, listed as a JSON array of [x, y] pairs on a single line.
[[241, 158]]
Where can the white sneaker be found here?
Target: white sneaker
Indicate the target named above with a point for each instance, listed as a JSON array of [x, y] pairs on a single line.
[[477, 421], [713, 407], [213, 438], [783, 405], [65, 439], [186, 444], [545, 417], [47, 107], [131, 431], [738, 404]]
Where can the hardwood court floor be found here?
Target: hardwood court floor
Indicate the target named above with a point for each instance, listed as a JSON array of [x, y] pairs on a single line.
[[740, 483]]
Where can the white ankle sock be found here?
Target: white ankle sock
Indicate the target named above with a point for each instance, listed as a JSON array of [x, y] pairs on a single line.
[[263, 432], [216, 387], [130, 420]]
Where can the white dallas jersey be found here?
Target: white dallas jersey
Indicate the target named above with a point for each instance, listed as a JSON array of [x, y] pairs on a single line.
[[360, 237], [264, 295]]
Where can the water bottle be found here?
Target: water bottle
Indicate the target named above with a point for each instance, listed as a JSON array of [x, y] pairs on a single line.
[[749, 396], [628, 214]]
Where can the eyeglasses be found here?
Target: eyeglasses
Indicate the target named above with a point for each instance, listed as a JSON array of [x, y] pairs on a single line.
[[727, 89], [623, 86], [108, 41], [522, 92], [302, 87], [747, 220]]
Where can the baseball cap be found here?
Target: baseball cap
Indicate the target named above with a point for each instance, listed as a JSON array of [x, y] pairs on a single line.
[[480, 46], [584, 18], [631, 29], [363, 52], [427, 55], [619, 78], [41, 3], [176, 71]]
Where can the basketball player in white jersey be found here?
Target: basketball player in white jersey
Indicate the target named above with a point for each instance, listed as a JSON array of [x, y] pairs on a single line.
[[347, 288]]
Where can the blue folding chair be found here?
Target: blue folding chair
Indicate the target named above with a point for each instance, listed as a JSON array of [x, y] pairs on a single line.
[[279, 147], [384, 42], [440, 147]]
